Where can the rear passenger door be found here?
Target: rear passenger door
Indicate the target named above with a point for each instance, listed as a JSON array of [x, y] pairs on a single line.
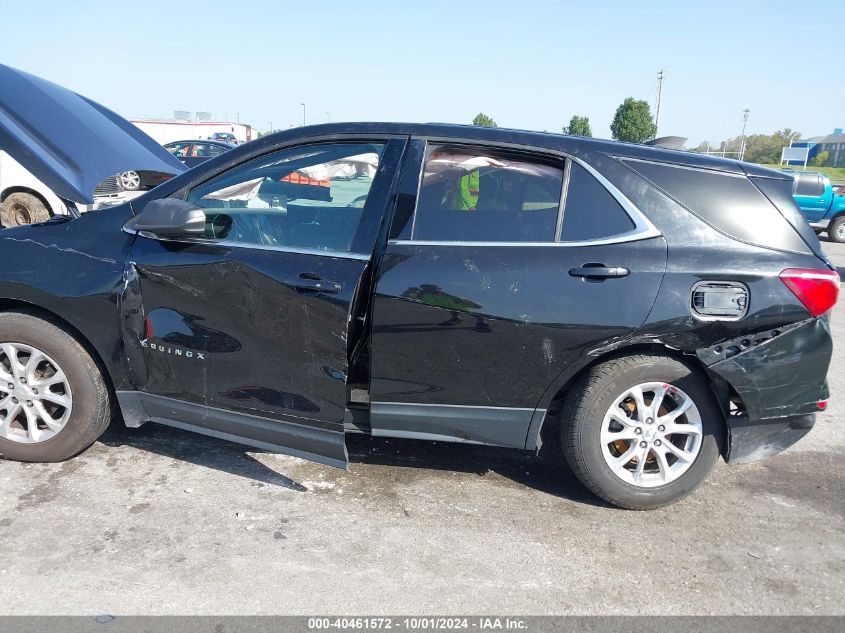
[[503, 270]]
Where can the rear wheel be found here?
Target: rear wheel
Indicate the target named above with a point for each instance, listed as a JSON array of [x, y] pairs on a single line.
[[54, 402], [641, 432], [19, 209], [836, 230]]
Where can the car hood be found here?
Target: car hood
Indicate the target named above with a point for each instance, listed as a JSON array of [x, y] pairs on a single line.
[[69, 142]]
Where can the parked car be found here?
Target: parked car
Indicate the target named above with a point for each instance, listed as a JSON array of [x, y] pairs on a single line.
[[24, 199], [822, 205], [651, 308], [192, 153], [224, 137], [140, 180]]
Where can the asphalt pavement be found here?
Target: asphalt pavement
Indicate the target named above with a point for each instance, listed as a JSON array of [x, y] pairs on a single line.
[[158, 521]]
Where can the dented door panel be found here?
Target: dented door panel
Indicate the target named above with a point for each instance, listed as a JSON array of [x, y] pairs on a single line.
[[220, 328], [495, 325]]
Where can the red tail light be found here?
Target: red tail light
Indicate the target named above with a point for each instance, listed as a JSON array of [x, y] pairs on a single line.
[[817, 289]]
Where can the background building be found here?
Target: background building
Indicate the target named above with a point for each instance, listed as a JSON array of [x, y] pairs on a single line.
[[833, 144], [188, 125]]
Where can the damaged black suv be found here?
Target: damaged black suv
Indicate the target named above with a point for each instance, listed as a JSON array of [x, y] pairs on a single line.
[[421, 281]]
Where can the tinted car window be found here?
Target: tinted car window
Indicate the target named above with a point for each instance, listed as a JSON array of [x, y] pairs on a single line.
[[591, 212], [476, 197], [207, 150], [180, 150], [730, 203], [809, 185], [308, 198]]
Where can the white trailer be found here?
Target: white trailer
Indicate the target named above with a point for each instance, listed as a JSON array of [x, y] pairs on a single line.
[[168, 130]]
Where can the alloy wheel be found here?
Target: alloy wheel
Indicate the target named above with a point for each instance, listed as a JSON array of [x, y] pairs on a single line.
[[35, 395], [130, 180], [840, 232], [651, 434]]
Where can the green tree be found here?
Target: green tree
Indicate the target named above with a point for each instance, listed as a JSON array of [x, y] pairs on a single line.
[[483, 120], [578, 126], [633, 122], [820, 159]]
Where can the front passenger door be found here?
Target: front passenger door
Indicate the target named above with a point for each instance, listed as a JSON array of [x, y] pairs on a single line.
[[244, 331]]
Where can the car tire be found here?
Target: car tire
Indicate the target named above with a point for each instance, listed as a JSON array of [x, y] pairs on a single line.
[[20, 209], [836, 230], [129, 180], [605, 395], [76, 380]]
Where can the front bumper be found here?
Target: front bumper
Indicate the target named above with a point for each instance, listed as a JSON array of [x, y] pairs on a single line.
[[781, 381]]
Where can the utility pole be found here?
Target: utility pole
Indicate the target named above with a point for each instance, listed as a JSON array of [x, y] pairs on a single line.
[[271, 126], [303, 113], [742, 142], [238, 116], [660, 76], [329, 117]]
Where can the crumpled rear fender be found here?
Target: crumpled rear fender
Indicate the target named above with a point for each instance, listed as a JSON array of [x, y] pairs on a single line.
[[780, 376]]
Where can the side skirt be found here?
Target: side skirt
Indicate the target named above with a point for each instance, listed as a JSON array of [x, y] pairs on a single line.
[[277, 436], [494, 426]]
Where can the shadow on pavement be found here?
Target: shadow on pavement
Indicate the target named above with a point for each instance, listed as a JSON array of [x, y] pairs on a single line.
[[197, 449], [548, 474]]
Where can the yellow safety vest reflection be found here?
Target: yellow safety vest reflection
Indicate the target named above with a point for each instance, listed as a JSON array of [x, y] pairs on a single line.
[[468, 192]]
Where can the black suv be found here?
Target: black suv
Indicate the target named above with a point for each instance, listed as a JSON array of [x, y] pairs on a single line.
[[655, 308]]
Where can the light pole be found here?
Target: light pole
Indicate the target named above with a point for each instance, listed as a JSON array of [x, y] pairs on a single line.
[[742, 142], [303, 113]]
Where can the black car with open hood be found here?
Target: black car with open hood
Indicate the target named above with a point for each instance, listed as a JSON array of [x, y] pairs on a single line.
[[654, 308]]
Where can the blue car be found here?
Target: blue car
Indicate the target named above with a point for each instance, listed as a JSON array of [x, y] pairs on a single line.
[[822, 205]]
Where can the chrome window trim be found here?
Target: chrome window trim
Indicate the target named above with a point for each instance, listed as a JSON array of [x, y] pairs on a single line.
[[564, 192], [630, 236], [259, 247]]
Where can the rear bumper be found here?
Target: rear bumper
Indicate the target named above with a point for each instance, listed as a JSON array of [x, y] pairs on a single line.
[[780, 381], [752, 442]]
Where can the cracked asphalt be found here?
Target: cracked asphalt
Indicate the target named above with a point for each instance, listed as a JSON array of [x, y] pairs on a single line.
[[159, 521]]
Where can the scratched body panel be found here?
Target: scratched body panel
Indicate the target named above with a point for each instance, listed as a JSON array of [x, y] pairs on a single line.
[[257, 345], [441, 305], [75, 269]]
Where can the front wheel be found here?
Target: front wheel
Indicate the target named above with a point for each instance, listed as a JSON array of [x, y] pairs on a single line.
[[54, 401], [130, 180], [641, 431], [836, 230]]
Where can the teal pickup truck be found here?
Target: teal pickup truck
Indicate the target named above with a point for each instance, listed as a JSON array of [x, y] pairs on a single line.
[[821, 204]]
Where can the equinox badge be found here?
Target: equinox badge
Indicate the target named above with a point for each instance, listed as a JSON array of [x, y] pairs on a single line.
[[174, 351]]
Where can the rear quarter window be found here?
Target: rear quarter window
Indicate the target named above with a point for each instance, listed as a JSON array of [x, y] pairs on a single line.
[[591, 212], [729, 203]]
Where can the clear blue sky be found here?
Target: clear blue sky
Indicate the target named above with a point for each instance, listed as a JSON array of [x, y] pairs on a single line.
[[527, 64]]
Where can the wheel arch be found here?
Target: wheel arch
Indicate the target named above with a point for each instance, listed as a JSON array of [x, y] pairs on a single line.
[[18, 305], [33, 192], [545, 434]]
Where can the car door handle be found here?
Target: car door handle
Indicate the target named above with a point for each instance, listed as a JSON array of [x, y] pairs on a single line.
[[312, 284], [599, 271]]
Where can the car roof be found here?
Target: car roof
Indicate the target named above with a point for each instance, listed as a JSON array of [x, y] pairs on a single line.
[[542, 140], [199, 140]]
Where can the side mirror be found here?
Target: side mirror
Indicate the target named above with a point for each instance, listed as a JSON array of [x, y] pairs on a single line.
[[169, 217]]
